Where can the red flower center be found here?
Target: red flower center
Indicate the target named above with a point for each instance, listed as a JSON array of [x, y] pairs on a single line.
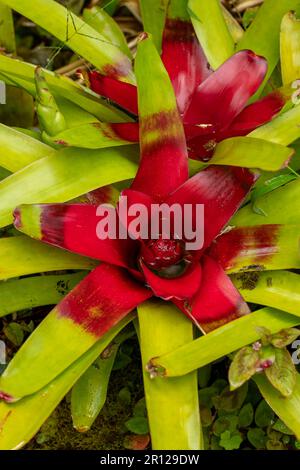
[[160, 254]]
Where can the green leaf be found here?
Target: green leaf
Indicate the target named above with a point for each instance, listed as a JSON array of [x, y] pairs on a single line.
[[289, 47], [76, 34], [92, 135], [21, 256], [282, 374], [246, 415], [140, 408], [274, 445], [137, 425], [266, 184], [22, 74], [14, 332], [231, 441], [285, 337], [171, 404], [7, 30], [249, 16], [21, 421], [219, 343], [223, 423], [204, 375], [35, 291], [282, 428], [271, 204], [251, 153], [284, 129], [233, 25], [231, 400], [283, 251], [272, 288], [257, 438], [19, 150], [243, 366], [211, 30], [264, 415], [104, 24], [90, 391], [63, 176], [262, 36], [286, 408], [124, 396], [154, 14]]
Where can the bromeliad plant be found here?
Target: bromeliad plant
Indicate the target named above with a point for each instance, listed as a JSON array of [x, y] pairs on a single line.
[[176, 106]]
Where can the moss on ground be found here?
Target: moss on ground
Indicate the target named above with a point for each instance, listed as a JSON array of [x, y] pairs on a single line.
[[108, 431]]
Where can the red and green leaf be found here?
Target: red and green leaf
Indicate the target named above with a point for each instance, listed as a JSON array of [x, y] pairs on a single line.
[[96, 305], [258, 248], [163, 147]]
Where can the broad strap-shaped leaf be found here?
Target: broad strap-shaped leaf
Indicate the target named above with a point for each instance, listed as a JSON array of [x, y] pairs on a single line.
[[182, 54], [90, 392], [283, 130], [22, 74], [258, 113], [21, 421], [20, 256], [4, 173], [277, 289], [96, 305], [222, 341], [234, 27], [248, 152], [35, 291], [171, 404], [74, 228], [223, 95], [221, 190], [216, 302], [154, 15], [78, 35], [262, 36], [7, 32], [286, 408], [289, 41], [162, 140], [124, 94], [202, 140], [63, 176], [212, 31], [96, 135], [105, 195], [19, 150], [269, 208], [258, 248], [83, 130], [105, 25]]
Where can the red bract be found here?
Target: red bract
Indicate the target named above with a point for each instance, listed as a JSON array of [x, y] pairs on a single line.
[[140, 268], [213, 106]]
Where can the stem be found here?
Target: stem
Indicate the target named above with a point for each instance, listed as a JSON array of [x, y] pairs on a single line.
[[172, 404]]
